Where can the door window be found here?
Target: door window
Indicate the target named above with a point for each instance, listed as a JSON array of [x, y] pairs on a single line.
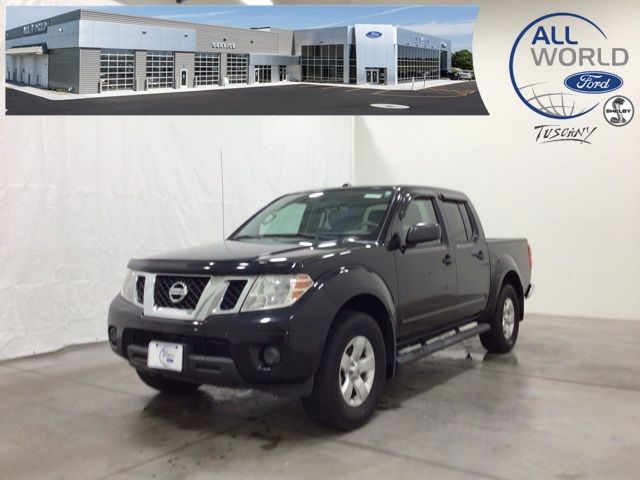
[[420, 210], [458, 216]]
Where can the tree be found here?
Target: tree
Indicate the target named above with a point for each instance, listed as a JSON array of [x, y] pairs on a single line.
[[462, 59]]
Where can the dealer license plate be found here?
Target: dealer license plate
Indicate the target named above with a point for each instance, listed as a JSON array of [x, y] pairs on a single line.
[[165, 356]]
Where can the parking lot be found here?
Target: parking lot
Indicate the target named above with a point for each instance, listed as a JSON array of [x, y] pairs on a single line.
[[298, 99]]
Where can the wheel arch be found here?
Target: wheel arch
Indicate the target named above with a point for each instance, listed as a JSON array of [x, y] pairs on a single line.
[[363, 290], [505, 271], [513, 279], [373, 306]]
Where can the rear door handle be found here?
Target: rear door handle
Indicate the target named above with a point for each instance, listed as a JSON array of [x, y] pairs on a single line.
[[479, 255], [447, 259]]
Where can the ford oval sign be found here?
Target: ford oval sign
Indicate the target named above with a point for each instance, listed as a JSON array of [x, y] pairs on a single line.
[[593, 82], [374, 34]]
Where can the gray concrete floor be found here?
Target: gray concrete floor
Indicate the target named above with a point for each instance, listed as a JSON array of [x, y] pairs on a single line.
[[565, 404]]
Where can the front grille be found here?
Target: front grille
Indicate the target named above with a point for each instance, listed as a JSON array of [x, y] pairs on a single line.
[[140, 289], [232, 294], [195, 287], [210, 347]]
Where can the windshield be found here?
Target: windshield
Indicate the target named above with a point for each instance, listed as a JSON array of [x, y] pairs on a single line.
[[351, 212]]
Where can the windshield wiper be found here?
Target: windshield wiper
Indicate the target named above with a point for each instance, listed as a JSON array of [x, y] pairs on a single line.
[[246, 237], [283, 235]]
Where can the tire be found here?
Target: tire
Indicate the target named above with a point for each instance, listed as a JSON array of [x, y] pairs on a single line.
[[502, 337], [166, 385], [327, 405]]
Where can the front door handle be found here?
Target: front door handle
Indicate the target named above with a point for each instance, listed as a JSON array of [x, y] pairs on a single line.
[[447, 259], [479, 255]]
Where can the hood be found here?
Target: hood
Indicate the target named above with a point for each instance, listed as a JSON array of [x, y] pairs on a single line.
[[241, 257]]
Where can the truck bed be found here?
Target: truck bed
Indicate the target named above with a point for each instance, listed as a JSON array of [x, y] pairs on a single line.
[[516, 248]]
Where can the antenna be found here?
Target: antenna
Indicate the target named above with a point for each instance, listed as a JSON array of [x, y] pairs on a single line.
[[224, 236]]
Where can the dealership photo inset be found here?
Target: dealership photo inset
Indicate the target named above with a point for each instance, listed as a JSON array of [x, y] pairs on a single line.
[[248, 60]]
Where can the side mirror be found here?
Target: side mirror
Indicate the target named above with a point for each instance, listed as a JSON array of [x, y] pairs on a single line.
[[422, 232]]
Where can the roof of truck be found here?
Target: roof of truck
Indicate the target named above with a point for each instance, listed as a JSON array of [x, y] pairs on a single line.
[[437, 190]]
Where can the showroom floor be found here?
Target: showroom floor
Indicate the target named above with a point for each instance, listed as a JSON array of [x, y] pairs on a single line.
[[565, 404]]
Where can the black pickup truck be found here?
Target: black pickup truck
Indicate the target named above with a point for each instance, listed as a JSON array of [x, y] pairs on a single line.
[[323, 295]]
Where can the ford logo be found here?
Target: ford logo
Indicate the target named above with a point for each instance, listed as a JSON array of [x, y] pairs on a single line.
[[374, 34], [593, 82]]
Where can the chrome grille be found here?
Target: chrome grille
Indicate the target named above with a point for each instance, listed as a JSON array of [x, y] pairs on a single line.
[[195, 287], [140, 289], [232, 294]]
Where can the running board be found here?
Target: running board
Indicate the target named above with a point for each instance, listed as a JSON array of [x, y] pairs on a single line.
[[438, 345]]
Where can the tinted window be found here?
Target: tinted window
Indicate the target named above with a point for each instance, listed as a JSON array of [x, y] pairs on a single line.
[[456, 222], [419, 210], [468, 226]]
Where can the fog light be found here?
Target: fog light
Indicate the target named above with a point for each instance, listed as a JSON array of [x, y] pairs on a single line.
[[113, 336], [271, 356]]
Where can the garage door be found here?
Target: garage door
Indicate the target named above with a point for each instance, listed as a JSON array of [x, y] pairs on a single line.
[[159, 69], [237, 68], [116, 69]]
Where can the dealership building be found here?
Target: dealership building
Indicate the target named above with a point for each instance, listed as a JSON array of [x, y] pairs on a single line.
[[85, 51]]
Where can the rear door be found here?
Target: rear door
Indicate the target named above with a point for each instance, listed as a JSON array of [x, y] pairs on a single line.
[[426, 272], [471, 255]]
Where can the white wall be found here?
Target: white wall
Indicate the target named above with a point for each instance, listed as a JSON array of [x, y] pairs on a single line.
[[578, 204], [579, 212], [80, 196]]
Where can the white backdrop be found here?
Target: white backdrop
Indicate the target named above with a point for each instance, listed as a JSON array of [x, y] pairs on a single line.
[[579, 205], [80, 196]]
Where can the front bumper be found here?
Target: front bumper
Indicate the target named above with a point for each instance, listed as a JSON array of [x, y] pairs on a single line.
[[226, 349]]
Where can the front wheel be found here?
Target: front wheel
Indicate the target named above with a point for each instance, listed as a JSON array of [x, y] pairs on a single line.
[[502, 336], [349, 382]]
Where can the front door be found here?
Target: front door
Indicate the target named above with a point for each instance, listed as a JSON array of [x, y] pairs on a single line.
[[183, 77], [472, 258], [426, 274], [372, 75]]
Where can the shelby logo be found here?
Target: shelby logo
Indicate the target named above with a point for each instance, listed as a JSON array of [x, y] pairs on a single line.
[[593, 82], [618, 111], [373, 34], [556, 133], [544, 60]]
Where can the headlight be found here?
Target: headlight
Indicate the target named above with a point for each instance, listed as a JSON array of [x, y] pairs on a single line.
[[128, 286], [276, 291]]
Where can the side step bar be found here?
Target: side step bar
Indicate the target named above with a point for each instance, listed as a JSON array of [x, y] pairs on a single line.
[[437, 345]]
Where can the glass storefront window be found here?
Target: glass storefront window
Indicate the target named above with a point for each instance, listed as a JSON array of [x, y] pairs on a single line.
[[417, 63], [263, 73], [322, 63]]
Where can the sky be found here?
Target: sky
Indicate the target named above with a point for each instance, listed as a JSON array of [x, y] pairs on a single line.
[[451, 22]]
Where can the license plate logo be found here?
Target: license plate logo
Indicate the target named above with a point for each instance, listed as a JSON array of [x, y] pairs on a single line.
[[165, 356]]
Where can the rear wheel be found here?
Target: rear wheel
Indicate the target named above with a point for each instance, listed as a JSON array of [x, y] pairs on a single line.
[[504, 323], [349, 382], [164, 384]]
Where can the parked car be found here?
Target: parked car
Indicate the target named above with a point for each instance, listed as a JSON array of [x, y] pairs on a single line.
[[466, 75], [323, 295]]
